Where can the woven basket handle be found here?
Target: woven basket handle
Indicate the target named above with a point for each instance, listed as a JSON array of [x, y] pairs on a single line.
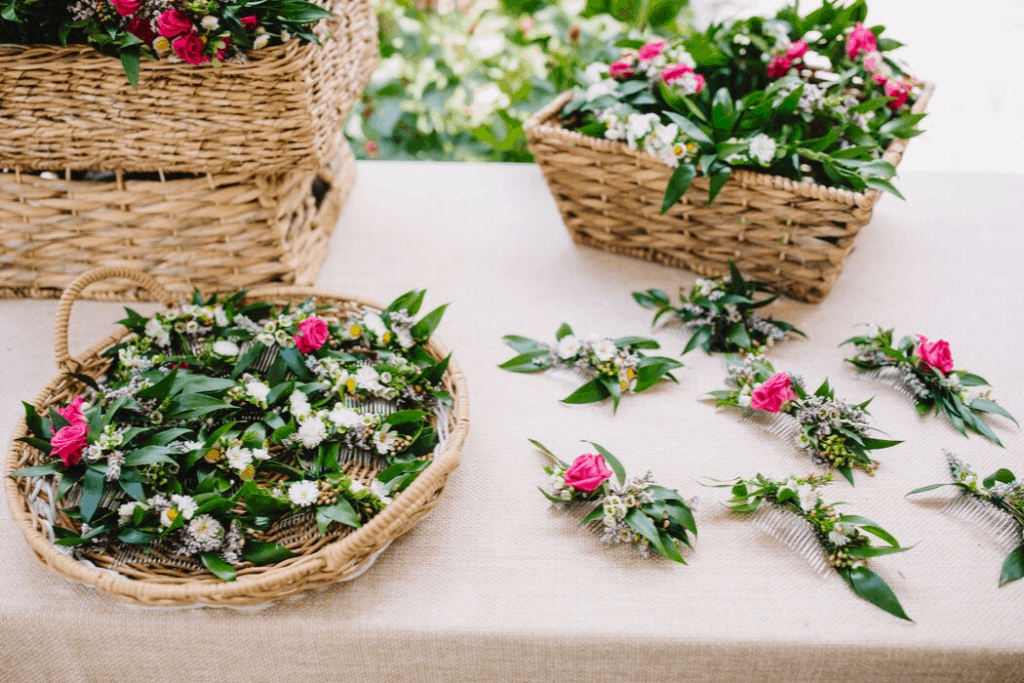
[[70, 294]]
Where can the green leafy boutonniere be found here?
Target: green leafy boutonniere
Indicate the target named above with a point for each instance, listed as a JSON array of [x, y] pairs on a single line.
[[924, 370], [834, 432], [608, 367], [996, 502], [636, 511], [843, 540], [721, 314]]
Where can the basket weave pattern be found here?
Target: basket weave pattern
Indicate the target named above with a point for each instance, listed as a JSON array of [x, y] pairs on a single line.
[[72, 107], [162, 580], [793, 235], [230, 231]]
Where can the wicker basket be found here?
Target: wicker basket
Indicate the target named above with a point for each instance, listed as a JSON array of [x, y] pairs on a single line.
[[280, 111], [159, 580], [229, 231], [794, 236]]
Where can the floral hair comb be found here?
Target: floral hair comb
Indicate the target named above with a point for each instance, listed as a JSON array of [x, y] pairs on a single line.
[[637, 511], [721, 314], [996, 503], [608, 367], [924, 370], [834, 432], [796, 514]]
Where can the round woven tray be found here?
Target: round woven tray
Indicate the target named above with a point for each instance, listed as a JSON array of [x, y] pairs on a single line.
[[158, 580]]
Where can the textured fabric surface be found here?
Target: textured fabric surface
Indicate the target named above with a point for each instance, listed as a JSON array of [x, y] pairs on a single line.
[[496, 585]]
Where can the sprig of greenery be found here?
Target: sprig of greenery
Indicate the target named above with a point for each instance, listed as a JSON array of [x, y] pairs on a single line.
[[636, 511], [1003, 491], [721, 314], [932, 389], [844, 539], [618, 366]]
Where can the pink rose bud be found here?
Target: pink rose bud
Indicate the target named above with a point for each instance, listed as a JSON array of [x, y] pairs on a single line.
[[173, 23], [621, 70], [250, 22], [141, 29], [312, 334], [699, 80], [898, 91], [651, 50], [860, 39], [935, 355], [779, 67], [126, 8], [879, 79], [773, 394], [190, 48], [222, 54], [797, 50], [587, 472], [675, 71], [68, 442]]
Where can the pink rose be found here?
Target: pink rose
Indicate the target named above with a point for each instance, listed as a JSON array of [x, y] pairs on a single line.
[[173, 23], [621, 70], [797, 50], [126, 7], [675, 71], [879, 79], [312, 334], [898, 91], [860, 39], [773, 394], [651, 50], [222, 53], [936, 354], [250, 22], [141, 29], [699, 82], [587, 472], [779, 67], [190, 48], [69, 441]]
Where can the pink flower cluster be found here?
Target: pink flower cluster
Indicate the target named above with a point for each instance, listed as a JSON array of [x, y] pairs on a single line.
[[781, 64], [69, 441], [862, 40], [626, 66]]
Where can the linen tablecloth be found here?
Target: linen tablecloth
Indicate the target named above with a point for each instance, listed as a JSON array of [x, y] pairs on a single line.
[[495, 584]]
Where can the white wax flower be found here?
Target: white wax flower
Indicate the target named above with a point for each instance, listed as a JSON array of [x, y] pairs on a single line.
[[762, 148], [605, 349], [568, 347], [312, 432], [808, 498], [225, 348]]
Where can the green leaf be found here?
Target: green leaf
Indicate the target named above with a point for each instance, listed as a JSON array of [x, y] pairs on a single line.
[[34, 422], [668, 544], [295, 362], [969, 379], [930, 487], [547, 452], [563, 332], [425, 327], [218, 567], [92, 491], [148, 455], [161, 389], [987, 406], [636, 343], [261, 505], [166, 436], [247, 358], [870, 527], [878, 444], [523, 344], [700, 337], [717, 182], [39, 444], [526, 362], [264, 552], [652, 298], [613, 462], [592, 516], [870, 586], [38, 470], [678, 184], [1013, 566], [641, 524], [738, 335], [1001, 475], [691, 129], [405, 417], [614, 390], [130, 64], [340, 512], [135, 536], [883, 186], [591, 392], [867, 551]]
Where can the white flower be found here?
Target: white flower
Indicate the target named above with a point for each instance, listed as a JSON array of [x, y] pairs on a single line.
[[126, 511], [808, 498], [638, 126], [205, 528], [378, 489], [368, 378], [840, 534], [265, 338], [225, 348], [688, 83], [258, 390], [168, 516], [404, 337], [743, 400], [762, 148], [312, 432], [298, 404], [605, 349], [238, 457], [185, 505], [602, 88], [596, 71], [261, 41], [384, 440], [741, 39], [355, 486], [210, 23], [568, 347], [344, 417], [157, 333], [220, 317], [374, 323], [303, 493], [260, 454]]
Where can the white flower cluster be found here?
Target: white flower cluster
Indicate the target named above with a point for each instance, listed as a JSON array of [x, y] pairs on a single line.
[[600, 355], [398, 327], [314, 427], [106, 445], [646, 132]]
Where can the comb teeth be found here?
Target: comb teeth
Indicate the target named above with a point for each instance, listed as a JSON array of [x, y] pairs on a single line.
[[795, 533], [1002, 526], [570, 374], [781, 425], [887, 376]]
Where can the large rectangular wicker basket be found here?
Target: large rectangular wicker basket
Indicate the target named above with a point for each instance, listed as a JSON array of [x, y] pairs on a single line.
[[72, 107], [794, 236], [214, 231]]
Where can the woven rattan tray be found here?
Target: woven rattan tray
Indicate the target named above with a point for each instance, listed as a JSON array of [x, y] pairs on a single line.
[[278, 112], [794, 236], [321, 560]]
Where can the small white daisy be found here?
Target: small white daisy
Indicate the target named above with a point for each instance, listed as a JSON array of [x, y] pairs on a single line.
[[384, 440], [368, 378], [205, 528], [228, 349], [298, 404], [258, 390], [186, 505], [238, 457], [568, 347], [378, 489], [303, 493], [344, 417], [763, 149], [312, 432], [605, 349]]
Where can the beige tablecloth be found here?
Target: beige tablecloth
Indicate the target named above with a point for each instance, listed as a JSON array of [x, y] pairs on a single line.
[[496, 585]]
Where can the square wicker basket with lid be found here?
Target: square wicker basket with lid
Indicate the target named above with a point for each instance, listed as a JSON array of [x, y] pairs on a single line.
[[794, 236], [72, 107]]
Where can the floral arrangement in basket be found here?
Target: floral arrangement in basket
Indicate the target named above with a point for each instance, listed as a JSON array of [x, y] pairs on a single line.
[[815, 97], [722, 314], [834, 432], [821, 532], [221, 421], [635, 511], [608, 367], [191, 31], [924, 370]]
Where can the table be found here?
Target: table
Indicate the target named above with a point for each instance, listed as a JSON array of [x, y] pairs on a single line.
[[496, 585]]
